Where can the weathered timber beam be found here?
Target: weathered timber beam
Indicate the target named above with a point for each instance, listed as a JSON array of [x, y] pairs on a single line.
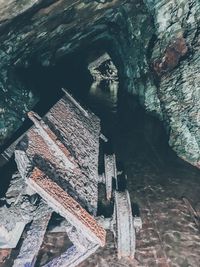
[[32, 243], [72, 257], [124, 225], [97, 62], [12, 219], [66, 206], [110, 173]]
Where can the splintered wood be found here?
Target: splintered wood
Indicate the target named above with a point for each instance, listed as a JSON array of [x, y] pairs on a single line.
[[60, 201]]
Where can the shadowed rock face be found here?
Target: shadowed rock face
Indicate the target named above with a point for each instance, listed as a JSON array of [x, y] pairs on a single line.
[[177, 51], [155, 45], [45, 31]]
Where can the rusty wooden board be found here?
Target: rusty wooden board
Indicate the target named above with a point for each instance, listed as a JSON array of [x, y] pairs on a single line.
[[66, 206]]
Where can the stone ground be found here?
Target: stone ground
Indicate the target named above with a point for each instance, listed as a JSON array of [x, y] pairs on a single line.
[[169, 236]]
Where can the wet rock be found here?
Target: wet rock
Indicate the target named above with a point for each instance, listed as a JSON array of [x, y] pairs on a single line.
[[175, 58]]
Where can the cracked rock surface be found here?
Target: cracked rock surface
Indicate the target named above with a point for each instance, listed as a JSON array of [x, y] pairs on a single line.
[[175, 58]]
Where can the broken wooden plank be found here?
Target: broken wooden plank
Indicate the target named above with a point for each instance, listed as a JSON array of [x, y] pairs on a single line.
[[32, 243], [98, 61], [124, 224], [64, 204], [72, 257], [12, 218]]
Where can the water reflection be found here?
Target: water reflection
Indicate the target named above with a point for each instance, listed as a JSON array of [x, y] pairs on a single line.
[[104, 89], [105, 94]]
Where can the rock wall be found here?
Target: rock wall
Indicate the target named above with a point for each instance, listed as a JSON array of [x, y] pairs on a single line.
[[155, 45], [175, 63]]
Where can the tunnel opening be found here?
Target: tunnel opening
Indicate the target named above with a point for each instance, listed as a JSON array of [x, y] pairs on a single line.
[[72, 73]]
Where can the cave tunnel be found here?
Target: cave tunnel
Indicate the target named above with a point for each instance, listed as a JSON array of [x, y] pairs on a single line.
[[123, 114], [138, 139], [157, 178]]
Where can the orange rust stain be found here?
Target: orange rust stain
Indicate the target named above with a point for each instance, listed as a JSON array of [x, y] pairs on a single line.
[[173, 53], [68, 203]]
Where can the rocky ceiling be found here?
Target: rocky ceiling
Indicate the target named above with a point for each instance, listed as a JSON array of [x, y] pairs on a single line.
[[155, 44]]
